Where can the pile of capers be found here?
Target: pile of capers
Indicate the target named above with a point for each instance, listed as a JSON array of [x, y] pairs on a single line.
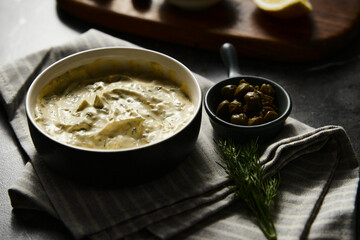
[[245, 104]]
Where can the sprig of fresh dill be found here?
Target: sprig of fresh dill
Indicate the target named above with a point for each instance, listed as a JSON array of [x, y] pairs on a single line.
[[242, 164]]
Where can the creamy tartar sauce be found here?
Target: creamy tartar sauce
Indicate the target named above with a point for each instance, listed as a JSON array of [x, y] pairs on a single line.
[[113, 112]]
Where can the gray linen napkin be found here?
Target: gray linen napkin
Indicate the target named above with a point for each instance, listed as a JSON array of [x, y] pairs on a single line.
[[318, 188]]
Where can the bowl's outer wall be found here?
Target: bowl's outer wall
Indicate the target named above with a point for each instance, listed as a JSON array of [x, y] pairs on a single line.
[[117, 167], [245, 133]]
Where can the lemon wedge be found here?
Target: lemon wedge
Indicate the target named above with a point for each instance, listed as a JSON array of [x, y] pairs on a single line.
[[285, 8]]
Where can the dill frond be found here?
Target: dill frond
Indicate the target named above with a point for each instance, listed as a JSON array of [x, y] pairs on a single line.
[[243, 167]]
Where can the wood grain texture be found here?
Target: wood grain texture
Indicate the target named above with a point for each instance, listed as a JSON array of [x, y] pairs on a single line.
[[329, 27]]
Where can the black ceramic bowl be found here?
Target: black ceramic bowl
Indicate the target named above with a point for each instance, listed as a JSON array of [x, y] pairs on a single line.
[[120, 165], [242, 133]]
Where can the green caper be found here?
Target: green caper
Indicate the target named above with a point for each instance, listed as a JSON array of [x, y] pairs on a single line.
[[266, 100], [228, 92], [270, 115], [265, 109], [252, 102], [222, 110], [235, 107], [240, 119], [255, 120], [267, 89], [242, 89]]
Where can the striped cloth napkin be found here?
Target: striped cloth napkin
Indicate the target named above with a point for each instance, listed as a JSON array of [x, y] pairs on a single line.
[[319, 179]]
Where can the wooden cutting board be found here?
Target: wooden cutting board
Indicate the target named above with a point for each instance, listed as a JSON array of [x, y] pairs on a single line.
[[325, 31]]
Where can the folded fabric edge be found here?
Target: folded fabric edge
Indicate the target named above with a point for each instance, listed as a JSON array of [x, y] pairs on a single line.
[[27, 193], [177, 224], [304, 144], [137, 223]]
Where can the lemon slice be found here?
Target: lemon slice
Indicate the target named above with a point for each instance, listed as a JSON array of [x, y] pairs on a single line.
[[285, 8]]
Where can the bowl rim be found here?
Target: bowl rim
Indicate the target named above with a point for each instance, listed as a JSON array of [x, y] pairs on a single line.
[[29, 95], [218, 120]]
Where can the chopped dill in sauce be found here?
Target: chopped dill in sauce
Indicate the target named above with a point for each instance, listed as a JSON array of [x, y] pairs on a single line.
[[112, 111]]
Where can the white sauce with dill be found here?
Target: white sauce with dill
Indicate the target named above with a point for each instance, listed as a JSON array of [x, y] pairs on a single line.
[[112, 112]]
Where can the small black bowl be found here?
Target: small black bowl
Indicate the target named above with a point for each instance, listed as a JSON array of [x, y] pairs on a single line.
[[243, 133]]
